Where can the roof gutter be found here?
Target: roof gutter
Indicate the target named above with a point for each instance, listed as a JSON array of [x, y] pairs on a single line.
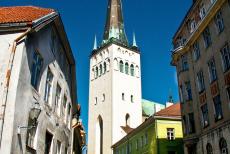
[[37, 25]]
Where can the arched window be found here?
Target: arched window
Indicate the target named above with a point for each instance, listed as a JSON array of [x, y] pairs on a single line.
[[223, 146], [108, 64], [103, 97], [132, 70], [96, 72], [99, 136], [93, 75], [137, 71], [123, 96], [127, 120], [209, 148], [100, 69], [105, 68], [121, 66], [126, 68], [115, 63], [131, 98]]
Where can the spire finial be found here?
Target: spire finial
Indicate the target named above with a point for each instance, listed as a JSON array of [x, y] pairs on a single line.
[[95, 43], [134, 40], [170, 96]]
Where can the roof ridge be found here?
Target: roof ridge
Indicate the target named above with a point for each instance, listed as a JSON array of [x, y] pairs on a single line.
[[29, 6]]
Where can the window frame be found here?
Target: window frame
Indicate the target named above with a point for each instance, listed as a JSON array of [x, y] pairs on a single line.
[[37, 65]]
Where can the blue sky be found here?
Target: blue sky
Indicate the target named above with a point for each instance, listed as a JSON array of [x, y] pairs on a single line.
[[154, 23]]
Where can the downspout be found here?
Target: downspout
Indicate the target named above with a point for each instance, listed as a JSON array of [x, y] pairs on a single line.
[[8, 76]]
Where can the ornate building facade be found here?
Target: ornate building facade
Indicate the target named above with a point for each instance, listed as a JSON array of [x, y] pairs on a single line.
[[115, 85], [202, 58]]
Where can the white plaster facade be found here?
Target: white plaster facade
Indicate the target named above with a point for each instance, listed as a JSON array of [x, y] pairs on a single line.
[[105, 96]]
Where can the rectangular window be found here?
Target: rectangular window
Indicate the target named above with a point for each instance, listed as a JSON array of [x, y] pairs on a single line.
[[200, 81], [48, 143], [225, 52], [57, 99], [49, 81], [142, 141], [36, 68], [207, 37], [123, 96], [219, 21], [58, 147], [181, 93], [170, 133], [196, 51], [130, 147], [191, 123], [188, 90], [63, 109], [212, 70], [185, 125], [146, 139], [185, 66], [202, 11], [205, 119], [218, 108]]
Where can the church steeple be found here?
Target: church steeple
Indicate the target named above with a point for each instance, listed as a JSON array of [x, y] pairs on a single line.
[[114, 27]]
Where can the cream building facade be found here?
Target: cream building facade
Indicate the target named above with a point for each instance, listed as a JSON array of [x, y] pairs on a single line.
[[202, 59], [115, 85]]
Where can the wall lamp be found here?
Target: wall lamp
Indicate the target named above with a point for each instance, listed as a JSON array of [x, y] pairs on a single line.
[[33, 115]]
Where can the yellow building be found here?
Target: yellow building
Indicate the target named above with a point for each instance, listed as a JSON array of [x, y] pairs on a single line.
[[159, 134]]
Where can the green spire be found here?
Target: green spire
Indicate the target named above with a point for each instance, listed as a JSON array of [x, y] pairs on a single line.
[[134, 40], [95, 43], [114, 27]]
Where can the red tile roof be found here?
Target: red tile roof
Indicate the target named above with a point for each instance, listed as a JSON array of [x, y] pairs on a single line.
[[22, 14], [171, 111]]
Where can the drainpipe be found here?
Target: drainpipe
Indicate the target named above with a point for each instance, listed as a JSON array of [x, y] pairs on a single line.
[[7, 81]]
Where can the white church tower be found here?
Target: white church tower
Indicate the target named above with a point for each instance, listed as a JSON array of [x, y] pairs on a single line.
[[115, 85]]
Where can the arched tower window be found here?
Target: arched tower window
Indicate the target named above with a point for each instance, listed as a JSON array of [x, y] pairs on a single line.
[[105, 68], [100, 70], [127, 119], [126, 68], [137, 71], [209, 148], [115, 63], [223, 146], [96, 72], [99, 136], [93, 75], [132, 70], [121, 66], [131, 98]]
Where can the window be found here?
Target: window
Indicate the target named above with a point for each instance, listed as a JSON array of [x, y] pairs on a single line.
[[137, 144], [58, 147], [202, 11], [48, 142], [225, 57], [205, 119], [200, 81], [36, 68], [105, 69], [196, 51], [209, 148], [96, 72], [130, 147], [123, 96], [170, 134], [192, 25], [188, 90], [228, 95], [69, 115], [49, 81], [100, 70], [121, 67], [142, 141], [146, 139], [191, 123], [126, 68], [185, 125], [132, 70], [103, 97], [223, 146], [219, 22], [132, 98], [184, 63], [31, 132], [127, 120], [218, 108], [63, 109], [212, 70], [57, 99], [207, 37], [181, 93], [95, 103]]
